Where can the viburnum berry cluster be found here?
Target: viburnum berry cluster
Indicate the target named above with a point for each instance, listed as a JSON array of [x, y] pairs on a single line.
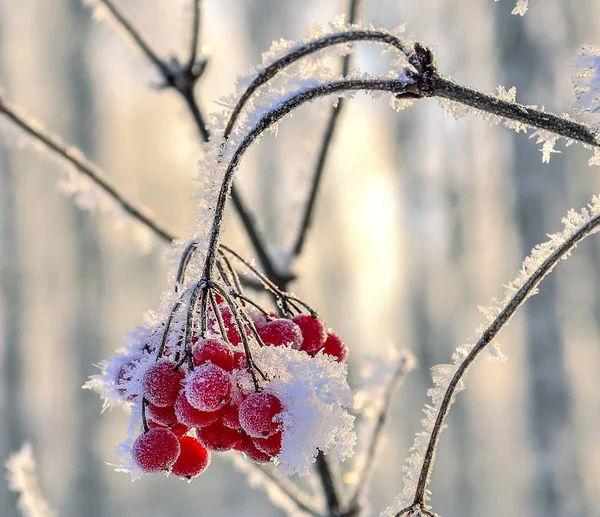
[[223, 373]]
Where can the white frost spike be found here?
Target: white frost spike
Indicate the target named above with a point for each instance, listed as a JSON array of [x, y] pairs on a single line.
[[442, 374], [21, 476], [315, 396], [587, 81], [521, 7]]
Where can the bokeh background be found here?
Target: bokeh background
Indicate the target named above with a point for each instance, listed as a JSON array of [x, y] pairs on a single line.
[[420, 220]]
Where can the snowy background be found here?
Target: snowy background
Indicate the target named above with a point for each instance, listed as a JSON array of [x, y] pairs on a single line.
[[421, 219]]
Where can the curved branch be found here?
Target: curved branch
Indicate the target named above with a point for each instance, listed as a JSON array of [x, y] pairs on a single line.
[[308, 48], [396, 86], [488, 335]]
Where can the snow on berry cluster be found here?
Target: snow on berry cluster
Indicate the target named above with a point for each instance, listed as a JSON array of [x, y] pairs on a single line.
[[283, 404]]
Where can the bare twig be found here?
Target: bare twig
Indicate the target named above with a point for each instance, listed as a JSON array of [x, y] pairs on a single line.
[[336, 110], [183, 80], [195, 39], [330, 488], [78, 160]]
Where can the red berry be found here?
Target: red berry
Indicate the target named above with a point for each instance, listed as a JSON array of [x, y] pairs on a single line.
[[314, 333], [189, 415], [193, 459], [239, 361], [161, 415], [233, 334], [281, 332], [336, 347], [270, 445], [217, 437], [230, 417], [254, 453], [208, 388], [161, 383], [257, 413], [215, 351], [156, 450]]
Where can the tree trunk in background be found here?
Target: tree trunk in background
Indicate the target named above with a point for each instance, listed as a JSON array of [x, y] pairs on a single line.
[[539, 188], [89, 493]]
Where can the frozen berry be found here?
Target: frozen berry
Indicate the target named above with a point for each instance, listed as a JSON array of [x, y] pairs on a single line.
[[217, 437], [208, 388], [233, 334], [336, 347], [281, 332], [215, 351], [270, 445], [314, 333], [254, 453], [257, 415], [161, 415], [193, 458], [161, 383], [239, 361], [230, 417], [189, 415], [156, 450]]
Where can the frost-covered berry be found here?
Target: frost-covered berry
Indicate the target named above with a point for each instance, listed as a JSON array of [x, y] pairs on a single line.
[[281, 332], [161, 383], [161, 415], [217, 437], [189, 415], [254, 453], [233, 334], [335, 346], [215, 351], [239, 361], [257, 414], [193, 459], [156, 450], [208, 388], [270, 445], [314, 333], [230, 417]]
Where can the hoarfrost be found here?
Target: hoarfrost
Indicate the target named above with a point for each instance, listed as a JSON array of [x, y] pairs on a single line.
[[22, 478], [587, 80], [315, 397], [443, 375]]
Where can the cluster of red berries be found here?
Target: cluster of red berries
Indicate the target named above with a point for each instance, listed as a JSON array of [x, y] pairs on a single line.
[[190, 411]]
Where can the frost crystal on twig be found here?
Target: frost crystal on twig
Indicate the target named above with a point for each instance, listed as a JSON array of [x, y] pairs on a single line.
[[587, 80], [22, 478]]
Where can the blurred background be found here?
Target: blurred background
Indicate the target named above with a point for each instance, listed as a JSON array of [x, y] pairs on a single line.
[[420, 220]]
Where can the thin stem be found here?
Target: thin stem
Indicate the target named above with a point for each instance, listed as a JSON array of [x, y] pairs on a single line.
[[448, 89], [78, 160], [332, 124], [197, 7], [488, 335], [136, 36], [329, 485]]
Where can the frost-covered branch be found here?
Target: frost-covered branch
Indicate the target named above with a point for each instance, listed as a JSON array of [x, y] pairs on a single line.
[[77, 159], [448, 379], [22, 478], [401, 362]]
